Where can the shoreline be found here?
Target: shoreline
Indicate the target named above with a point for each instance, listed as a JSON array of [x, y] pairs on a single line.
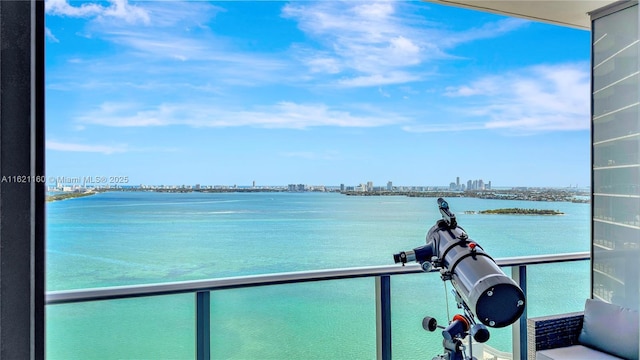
[[544, 195], [519, 211], [66, 196]]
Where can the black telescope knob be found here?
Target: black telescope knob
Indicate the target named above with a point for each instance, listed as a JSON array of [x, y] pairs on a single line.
[[429, 323], [480, 333]]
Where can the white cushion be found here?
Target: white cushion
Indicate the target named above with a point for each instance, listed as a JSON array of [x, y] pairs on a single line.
[[575, 352], [610, 328]]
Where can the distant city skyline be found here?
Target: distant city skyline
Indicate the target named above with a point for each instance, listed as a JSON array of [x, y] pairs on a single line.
[[308, 92], [103, 182]]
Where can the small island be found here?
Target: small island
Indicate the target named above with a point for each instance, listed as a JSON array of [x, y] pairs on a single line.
[[517, 211], [71, 195]]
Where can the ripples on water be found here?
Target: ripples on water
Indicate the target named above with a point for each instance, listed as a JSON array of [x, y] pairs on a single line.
[[129, 238]]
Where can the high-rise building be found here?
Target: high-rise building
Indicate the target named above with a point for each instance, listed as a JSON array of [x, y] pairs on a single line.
[[389, 186], [616, 154]]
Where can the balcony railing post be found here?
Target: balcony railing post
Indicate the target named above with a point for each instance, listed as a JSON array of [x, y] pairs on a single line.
[[519, 328], [203, 325], [383, 317]]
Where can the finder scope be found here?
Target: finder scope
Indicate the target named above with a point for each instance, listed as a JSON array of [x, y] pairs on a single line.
[[494, 298]]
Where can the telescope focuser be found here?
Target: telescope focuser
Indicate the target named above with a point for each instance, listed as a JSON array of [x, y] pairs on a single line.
[[447, 216]]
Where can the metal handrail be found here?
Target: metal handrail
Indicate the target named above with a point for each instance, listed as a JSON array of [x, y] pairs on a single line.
[[382, 275], [122, 292], [131, 291]]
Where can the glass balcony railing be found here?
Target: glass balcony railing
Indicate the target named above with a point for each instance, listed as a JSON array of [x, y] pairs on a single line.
[[224, 312]]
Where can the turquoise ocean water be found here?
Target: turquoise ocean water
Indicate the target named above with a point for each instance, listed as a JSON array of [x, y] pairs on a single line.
[[126, 238]]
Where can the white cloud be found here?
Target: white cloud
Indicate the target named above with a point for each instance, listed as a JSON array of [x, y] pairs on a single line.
[[63, 8], [397, 77], [215, 56], [487, 86], [448, 127], [367, 38], [183, 15], [374, 10], [404, 48], [287, 115], [160, 46], [535, 99], [309, 155], [358, 44], [130, 13], [50, 36], [383, 93], [323, 63], [117, 9], [486, 31], [175, 30], [366, 41], [175, 51], [75, 147]]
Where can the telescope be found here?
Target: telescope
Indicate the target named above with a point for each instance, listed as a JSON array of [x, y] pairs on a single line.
[[481, 289]]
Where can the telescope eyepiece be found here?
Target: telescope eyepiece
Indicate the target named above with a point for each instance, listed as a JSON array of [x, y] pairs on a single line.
[[404, 257], [442, 204]]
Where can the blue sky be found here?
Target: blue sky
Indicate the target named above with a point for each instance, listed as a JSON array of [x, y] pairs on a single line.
[[319, 93]]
